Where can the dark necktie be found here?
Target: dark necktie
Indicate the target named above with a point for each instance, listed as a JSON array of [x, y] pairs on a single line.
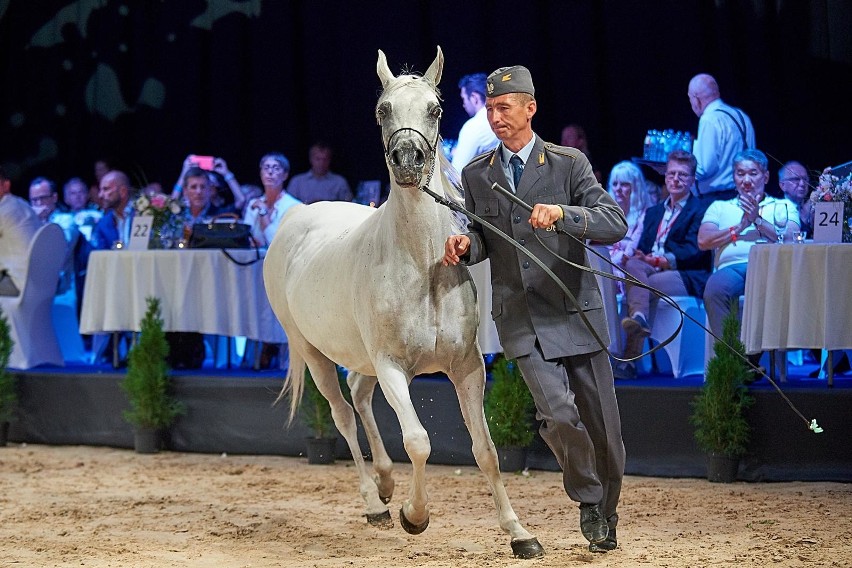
[[517, 169]]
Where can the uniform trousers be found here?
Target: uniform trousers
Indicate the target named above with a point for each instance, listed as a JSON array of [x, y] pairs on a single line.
[[575, 399]]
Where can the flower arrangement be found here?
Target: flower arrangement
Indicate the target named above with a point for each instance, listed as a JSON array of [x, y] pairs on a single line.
[[168, 216], [835, 188]]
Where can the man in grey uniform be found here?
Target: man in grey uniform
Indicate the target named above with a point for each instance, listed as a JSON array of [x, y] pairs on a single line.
[[565, 368]]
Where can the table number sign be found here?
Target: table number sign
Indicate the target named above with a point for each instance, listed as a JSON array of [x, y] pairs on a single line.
[[828, 222], [140, 232]]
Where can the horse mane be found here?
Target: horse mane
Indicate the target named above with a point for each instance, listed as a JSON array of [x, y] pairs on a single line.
[[452, 188]]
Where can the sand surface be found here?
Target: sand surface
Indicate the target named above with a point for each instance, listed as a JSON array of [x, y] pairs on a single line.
[[99, 507]]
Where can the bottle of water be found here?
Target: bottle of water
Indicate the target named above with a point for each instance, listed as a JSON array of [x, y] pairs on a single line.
[[647, 148]]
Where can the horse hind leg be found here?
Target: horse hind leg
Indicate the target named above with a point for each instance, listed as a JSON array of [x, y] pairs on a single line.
[[470, 389], [324, 372], [362, 388]]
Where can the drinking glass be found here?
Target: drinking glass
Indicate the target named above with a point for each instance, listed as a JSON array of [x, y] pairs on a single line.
[[780, 218]]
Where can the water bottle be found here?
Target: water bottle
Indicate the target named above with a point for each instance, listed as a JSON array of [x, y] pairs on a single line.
[[647, 151]]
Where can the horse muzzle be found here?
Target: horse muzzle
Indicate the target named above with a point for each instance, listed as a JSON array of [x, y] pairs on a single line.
[[408, 162]]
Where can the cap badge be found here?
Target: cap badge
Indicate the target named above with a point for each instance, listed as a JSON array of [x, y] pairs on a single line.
[[506, 77]]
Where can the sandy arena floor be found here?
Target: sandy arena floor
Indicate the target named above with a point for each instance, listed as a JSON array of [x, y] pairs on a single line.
[[99, 507]]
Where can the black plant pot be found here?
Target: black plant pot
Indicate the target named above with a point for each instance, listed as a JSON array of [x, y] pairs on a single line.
[[4, 433], [320, 450], [146, 440], [512, 458], [722, 468]]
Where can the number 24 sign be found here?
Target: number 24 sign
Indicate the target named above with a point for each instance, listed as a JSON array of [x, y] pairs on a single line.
[[828, 222]]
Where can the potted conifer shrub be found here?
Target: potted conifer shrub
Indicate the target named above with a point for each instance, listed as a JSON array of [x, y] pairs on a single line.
[[721, 428], [147, 384], [509, 411], [8, 394], [315, 412]]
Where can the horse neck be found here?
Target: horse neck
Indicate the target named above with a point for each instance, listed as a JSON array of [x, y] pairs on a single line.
[[419, 224]]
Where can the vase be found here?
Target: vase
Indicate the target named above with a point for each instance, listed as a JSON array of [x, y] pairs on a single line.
[[320, 450], [722, 468], [146, 440], [512, 458]]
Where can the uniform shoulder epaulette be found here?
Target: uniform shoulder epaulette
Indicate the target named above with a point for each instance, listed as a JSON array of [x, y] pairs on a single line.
[[481, 156], [561, 150]]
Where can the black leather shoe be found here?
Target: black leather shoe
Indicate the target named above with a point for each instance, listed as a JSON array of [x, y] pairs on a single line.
[[592, 523], [610, 543]]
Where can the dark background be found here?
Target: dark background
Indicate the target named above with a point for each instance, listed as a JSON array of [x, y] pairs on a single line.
[[144, 83]]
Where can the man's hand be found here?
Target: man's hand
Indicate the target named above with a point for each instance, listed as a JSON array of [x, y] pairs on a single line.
[[455, 247], [544, 216]]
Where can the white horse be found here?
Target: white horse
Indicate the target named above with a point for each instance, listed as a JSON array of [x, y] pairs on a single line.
[[365, 288]]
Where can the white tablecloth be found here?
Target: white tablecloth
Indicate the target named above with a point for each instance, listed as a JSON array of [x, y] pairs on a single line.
[[798, 296], [199, 290]]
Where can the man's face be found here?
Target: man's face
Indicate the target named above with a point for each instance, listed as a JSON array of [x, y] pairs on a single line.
[[42, 200], [679, 178], [5, 186], [794, 182], [197, 192], [320, 161], [76, 195], [750, 179], [110, 193], [469, 101], [507, 116]]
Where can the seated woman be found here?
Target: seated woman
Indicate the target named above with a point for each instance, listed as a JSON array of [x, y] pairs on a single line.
[[263, 214], [627, 187]]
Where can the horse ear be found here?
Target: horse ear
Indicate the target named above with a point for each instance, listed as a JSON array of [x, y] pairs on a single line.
[[433, 74], [383, 70]]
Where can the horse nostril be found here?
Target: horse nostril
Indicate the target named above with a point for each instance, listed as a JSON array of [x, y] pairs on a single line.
[[395, 157], [419, 158]]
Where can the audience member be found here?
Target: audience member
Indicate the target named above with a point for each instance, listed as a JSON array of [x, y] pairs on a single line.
[[574, 136], [18, 226], [44, 199], [101, 168], [225, 190], [733, 226], [263, 214], [75, 195], [475, 136], [198, 194], [794, 182], [627, 187], [656, 193], [318, 183], [723, 131], [114, 226], [667, 256]]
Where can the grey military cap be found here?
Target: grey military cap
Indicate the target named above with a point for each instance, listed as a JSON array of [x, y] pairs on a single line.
[[515, 79]]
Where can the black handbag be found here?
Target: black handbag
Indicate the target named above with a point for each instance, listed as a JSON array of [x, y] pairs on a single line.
[[221, 234]]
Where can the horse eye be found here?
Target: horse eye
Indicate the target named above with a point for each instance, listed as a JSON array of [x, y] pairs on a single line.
[[436, 111], [382, 111]]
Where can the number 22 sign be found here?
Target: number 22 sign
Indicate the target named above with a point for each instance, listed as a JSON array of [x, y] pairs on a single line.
[[140, 232], [828, 222]]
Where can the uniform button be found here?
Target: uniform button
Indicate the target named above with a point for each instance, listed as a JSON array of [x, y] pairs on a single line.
[[522, 242], [488, 210], [576, 218], [517, 219], [526, 264], [586, 303], [530, 288]]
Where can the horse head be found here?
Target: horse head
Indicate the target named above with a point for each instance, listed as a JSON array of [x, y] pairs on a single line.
[[409, 113]]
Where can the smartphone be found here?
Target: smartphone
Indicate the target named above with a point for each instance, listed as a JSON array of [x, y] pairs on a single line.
[[204, 162]]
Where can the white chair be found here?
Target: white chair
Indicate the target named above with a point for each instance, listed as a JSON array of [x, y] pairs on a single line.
[[609, 295], [686, 350], [29, 313], [67, 327]]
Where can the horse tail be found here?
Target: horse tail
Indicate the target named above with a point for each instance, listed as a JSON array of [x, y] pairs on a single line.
[[294, 383]]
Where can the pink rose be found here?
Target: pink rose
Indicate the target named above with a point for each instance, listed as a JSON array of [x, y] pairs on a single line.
[[158, 200], [826, 197]]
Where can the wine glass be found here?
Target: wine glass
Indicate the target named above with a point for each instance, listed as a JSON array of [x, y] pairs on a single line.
[[780, 217]]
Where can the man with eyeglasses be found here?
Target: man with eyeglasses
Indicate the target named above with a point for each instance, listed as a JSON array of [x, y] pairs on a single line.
[[795, 183], [733, 227], [667, 256]]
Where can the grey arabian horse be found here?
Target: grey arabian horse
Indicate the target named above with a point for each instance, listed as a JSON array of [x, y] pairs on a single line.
[[365, 288]]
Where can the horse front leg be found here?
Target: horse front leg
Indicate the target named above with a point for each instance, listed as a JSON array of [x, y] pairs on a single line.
[[324, 373], [362, 388], [414, 513], [470, 389]]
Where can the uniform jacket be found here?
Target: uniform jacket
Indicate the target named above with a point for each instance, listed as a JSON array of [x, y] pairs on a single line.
[[693, 264], [526, 304]]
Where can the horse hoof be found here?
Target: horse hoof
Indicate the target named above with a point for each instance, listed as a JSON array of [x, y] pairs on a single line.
[[409, 527], [380, 520], [527, 548]]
